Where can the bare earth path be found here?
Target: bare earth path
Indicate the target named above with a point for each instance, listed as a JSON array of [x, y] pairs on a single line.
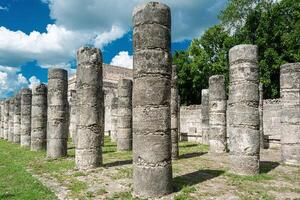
[[197, 175]]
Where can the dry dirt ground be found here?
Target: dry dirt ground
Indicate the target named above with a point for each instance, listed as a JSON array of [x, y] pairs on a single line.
[[197, 175]]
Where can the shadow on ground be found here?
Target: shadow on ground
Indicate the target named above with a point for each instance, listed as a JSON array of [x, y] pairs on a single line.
[[118, 163], [188, 145], [196, 177], [191, 155], [267, 166]]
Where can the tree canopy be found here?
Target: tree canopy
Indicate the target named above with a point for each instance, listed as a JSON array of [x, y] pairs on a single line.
[[274, 26]]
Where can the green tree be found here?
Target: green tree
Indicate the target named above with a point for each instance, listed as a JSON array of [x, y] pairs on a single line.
[[273, 26]]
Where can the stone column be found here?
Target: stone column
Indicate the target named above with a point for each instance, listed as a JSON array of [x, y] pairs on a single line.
[[174, 114], [243, 110], [73, 115], [217, 114], [205, 115], [114, 119], [124, 137], [39, 117], [261, 122], [11, 119], [57, 122], [26, 96], [5, 119], [17, 118], [152, 165], [290, 113], [1, 119], [89, 84]]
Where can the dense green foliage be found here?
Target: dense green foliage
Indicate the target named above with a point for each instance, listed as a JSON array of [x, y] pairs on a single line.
[[273, 26]]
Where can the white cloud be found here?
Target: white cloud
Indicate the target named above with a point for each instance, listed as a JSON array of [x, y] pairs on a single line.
[[3, 8], [96, 22], [107, 37], [123, 59], [55, 46], [11, 81], [189, 17], [33, 81]]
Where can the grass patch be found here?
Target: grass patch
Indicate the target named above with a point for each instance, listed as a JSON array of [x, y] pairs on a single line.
[[123, 196], [237, 179], [185, 193], [16, 182], [123, 173], [101, 191], [76, 187]]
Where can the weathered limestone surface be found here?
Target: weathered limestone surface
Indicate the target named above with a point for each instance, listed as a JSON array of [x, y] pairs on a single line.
[[39, 117], [205, 115], [111, 76], [152, 164], [11, 120], [174, 114], [272, 123], [73, 115], [124, 131], [261, 111], [57, 122], [243, 110], [1, 118], [191, 123], [114, 119], [290, 113], [90, 110], [5, 119], [17, 118], [26, 97], [217, 114]]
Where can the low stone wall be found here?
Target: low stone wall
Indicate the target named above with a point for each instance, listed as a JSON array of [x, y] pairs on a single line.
[[271, 122], [191, 123]]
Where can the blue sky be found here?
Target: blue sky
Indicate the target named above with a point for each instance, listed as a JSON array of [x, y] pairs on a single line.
[[39, 34]]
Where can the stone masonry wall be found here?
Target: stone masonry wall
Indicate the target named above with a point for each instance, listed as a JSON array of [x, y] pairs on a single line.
[[271, 122], [191, 123]]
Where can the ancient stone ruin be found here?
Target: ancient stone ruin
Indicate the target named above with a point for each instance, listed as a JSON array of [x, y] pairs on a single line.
[[39, 118], [243, 110], [174, 114], [26, 96], [124, 122], [217, 114], [140, 110], [57, 124], [290, 113], [152, 166], [90, 110]]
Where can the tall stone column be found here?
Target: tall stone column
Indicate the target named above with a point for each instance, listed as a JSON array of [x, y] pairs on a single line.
[[114, 119], [174, 114], [11, 119], [26, 96], [243, 110], [124, 137], [73, 115], [89, 84], [261, 122], [57, 122], [217, 114], [17, 119], [205, 115], [290, 113], [152, 171], [39, 117], [6, 119], [1, 119]]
